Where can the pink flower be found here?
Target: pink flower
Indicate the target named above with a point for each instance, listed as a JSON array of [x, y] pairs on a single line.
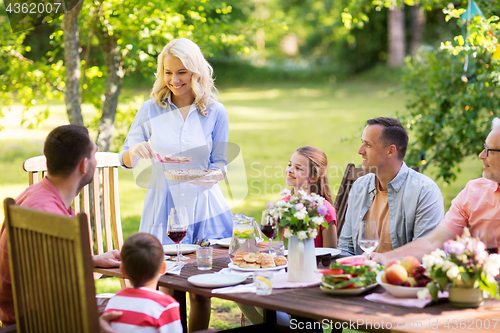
[[454, 247], [322, 210], [270, 205], [299, 206]]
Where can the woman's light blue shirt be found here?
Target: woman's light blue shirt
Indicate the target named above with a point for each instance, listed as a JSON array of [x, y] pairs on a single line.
[[204, 139]]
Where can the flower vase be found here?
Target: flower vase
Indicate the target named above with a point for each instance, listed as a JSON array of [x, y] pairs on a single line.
[[301, 260], [465, 297]]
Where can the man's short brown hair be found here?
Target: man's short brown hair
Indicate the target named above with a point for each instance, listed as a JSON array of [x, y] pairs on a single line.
[[393, 134]]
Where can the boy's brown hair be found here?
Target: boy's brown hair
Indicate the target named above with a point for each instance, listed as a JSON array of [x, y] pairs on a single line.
[[142, 257]]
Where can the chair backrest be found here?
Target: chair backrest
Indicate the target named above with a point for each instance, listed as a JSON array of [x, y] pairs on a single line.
[[350, 175], [99, 200], [47, 254]]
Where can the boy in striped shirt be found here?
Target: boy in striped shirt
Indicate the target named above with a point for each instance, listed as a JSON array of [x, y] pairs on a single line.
[[145, 309]]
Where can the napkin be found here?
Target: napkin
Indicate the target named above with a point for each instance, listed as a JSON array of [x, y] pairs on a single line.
[[241, 288], [243, 273], [280, 281], [176, 270], [386, 297]]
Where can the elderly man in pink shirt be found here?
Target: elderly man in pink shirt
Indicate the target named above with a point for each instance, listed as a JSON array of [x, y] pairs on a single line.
[[476, 207]]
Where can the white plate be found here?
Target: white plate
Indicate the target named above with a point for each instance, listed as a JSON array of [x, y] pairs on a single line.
[[321, 251], [215, 280], [237, 268], [398, 291], [185, 248], [353, 291], [224, 242]]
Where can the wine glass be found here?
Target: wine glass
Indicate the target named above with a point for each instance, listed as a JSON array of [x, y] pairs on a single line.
[[268, 226], [489, 238], [368, 236], [176, 229]]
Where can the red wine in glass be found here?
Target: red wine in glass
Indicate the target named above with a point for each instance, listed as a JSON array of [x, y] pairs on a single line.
[[176, 235], [269, 231]]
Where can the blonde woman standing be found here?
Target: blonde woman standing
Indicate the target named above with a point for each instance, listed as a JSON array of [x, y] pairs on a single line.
[[183, 118]]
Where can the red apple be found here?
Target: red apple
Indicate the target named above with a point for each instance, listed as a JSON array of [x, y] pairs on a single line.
[[410, 263], [391, 262], [396, 275]]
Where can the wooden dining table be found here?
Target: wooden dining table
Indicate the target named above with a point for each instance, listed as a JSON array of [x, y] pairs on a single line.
[[336, 311]]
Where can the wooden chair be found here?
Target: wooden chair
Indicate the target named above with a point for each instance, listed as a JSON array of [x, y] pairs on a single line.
[[350, 175], [99, 200], [47, 254]]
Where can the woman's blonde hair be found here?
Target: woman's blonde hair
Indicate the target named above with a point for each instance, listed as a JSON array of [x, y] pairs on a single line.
[[202, 81]]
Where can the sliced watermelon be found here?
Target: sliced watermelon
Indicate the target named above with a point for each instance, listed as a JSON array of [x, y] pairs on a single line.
[[352, 261]]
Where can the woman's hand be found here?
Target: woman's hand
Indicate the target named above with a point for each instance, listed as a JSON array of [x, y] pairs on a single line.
[[142, 150]]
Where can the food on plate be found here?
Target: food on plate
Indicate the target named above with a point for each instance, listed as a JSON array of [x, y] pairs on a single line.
[[406, 273], [257, 260], [349, 273], [190, 174], [176, 159], [251, 257], [280, 260]]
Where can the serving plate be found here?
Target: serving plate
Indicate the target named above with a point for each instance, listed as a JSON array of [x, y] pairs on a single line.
[[321, 251], [398, 291], [171, 249], [244, 269], [224, 242], [352, 291], [215, 280]]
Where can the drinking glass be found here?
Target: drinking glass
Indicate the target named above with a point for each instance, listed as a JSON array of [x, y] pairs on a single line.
[[269, 227], [176, 229], [368, 236], [489, 238]]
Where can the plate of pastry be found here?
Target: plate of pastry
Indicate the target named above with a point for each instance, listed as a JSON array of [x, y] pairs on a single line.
[[249, 262]]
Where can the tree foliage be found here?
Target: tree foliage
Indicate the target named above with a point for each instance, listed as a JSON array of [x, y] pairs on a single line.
[[454, 94], [134, 31]]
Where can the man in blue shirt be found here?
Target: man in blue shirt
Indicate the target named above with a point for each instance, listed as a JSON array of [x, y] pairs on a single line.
[[405, 204]]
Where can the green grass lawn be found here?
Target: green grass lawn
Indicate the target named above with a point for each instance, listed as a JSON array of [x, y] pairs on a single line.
[[268, 122]]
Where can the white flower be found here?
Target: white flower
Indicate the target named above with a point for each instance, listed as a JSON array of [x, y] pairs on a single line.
[[280, 203], [423, 293], [300, 214], [288, 233], [317, 220], [302, 235], [453, 272], [301, 193], [312, 232], [436, 258], [492, 265]]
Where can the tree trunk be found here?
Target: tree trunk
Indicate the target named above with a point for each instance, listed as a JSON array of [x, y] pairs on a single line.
[[417, 27], [114, 75], [72, 64], [396, 29]]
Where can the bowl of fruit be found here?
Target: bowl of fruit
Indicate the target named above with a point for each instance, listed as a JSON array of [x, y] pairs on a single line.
[[403, 278]]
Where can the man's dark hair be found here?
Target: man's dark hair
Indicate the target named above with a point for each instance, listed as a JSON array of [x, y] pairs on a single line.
[[393, 134], [65, 147], [142, 257]]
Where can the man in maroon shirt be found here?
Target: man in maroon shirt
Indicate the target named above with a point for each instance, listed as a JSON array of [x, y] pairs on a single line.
[[71, 162]]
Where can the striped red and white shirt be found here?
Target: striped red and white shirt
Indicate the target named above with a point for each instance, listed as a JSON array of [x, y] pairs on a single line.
[[145, 310]]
